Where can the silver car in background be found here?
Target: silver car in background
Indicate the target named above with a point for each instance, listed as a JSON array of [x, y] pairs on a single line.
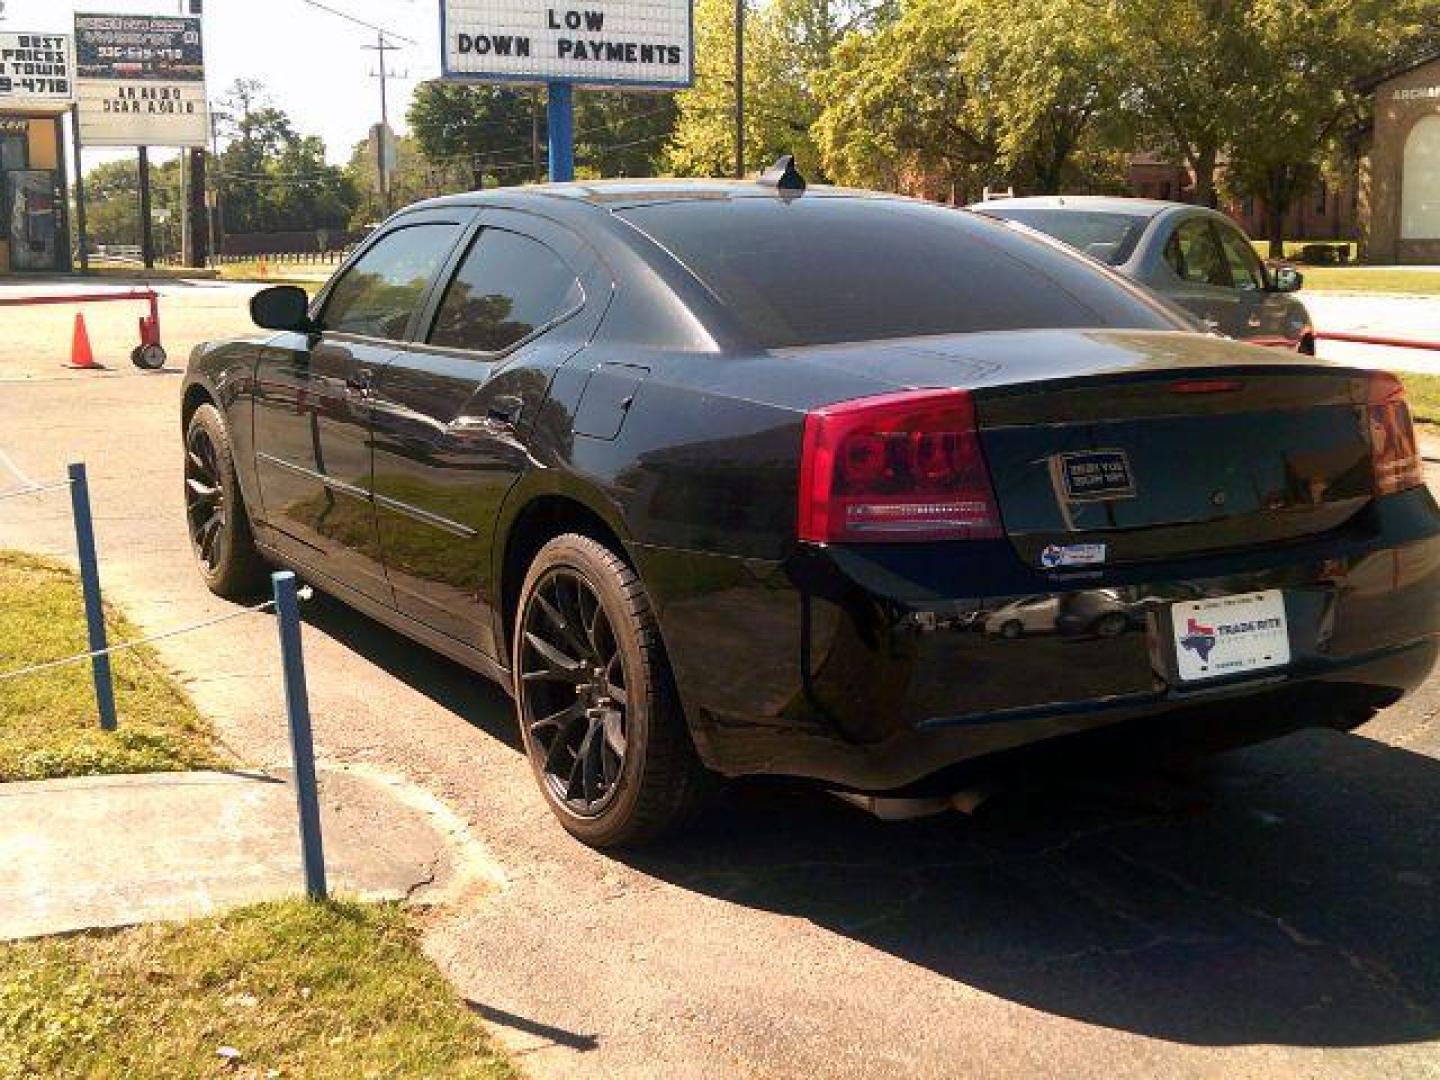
[[1195, 257]]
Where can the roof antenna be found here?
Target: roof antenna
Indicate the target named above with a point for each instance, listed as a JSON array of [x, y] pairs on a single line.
[[783, 175]]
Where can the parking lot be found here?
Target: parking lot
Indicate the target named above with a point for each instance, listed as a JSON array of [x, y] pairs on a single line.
[[1270, 912]]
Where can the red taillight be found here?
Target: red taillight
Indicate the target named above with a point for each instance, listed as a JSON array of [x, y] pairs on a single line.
[[1392, 437], [903, 466]]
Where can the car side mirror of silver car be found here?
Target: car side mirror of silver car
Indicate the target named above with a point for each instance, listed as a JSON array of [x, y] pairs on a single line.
[[283, 307], [1288, 279]]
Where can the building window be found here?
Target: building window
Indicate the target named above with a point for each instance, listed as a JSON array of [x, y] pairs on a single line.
[[12, 152], [1420, 185]]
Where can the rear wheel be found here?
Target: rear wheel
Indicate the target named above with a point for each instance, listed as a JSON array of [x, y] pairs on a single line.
[[1012, 629], [598, 713], [215, 510]]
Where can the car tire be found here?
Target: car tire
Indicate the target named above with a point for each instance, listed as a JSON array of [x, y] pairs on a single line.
[[1012, 629], [215, 514], [599, 717]]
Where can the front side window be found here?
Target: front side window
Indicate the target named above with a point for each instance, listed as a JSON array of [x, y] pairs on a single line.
[[381, 291], [1245, 267], [1195, 256], [508, 287]]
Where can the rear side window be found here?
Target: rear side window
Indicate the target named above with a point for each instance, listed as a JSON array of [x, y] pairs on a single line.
[[1102, 235], [379, 293], [819, 269], [508, 287]]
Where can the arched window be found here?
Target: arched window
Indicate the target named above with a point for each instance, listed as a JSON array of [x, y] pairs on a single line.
[[1420, 184]]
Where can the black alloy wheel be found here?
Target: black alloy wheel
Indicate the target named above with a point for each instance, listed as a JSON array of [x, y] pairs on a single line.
[[204, 499], [599, 714], [215, 510], [575, 701]]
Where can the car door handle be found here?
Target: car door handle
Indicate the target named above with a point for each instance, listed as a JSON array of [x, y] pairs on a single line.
[[358, 381], [505, 408]]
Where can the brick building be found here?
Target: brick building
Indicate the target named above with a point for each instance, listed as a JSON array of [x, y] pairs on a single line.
[[1400, 173]]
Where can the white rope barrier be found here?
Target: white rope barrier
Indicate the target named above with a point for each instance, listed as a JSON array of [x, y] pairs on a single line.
[[304, 593]]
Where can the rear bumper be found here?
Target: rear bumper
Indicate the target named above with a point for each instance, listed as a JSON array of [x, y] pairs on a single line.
[[864, 667]]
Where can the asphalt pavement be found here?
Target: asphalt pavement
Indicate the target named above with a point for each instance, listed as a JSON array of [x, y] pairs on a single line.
[[1272, 912]]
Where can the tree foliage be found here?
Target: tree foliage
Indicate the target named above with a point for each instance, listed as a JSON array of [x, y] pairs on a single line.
[[273, 179]]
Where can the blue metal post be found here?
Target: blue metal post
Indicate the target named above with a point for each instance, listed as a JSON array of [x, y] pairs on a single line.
[[302, 746], [560, 122], [90, 583]]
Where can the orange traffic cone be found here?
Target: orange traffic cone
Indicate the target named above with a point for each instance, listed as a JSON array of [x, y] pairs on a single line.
[[80, 354]]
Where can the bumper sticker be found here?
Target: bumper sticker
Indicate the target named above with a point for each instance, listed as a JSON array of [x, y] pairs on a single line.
[[1054, 555]]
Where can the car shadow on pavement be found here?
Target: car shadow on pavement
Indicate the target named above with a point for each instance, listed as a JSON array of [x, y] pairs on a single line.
[[1284, 893], [452, 686]]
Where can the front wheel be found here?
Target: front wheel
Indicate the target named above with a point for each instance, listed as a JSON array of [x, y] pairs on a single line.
[[598, 712]]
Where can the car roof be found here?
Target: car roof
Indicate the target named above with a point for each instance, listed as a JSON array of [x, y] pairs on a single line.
[[620, 194], [1111, 204]]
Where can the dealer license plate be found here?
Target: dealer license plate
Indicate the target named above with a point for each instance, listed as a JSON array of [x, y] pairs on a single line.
[[1230, 635]]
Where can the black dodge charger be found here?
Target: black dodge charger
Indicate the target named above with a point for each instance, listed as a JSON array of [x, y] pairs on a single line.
[[727, 478]]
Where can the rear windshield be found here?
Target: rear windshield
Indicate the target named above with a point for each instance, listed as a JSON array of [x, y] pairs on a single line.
[[1109, 237], [817, 270]]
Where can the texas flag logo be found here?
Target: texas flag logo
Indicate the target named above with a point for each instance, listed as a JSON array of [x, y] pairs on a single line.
[[1199, 639]]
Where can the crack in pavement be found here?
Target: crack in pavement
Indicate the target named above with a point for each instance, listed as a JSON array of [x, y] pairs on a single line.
[[1373, 971]]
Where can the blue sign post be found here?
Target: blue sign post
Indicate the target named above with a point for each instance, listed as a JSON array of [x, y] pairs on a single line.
[[560, 122]]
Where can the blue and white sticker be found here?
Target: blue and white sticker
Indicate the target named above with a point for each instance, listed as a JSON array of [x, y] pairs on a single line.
[[1057, 555]]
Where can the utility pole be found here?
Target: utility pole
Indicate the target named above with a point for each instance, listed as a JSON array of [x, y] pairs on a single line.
[[739, 89], [382, 144], [384, 40]]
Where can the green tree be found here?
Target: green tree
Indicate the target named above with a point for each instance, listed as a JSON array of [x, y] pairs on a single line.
[[1301, 67], [1184, 65], [622, 133], [112, 203], [954, 95], [788, 45], [272, 178], [475, 132]]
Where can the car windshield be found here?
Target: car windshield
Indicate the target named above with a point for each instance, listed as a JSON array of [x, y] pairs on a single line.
[[1103, 235], [821, 269]]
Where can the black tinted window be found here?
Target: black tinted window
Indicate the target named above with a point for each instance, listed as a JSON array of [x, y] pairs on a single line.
[[818, 269], [380, 292], [1106, 236], [507, 288]]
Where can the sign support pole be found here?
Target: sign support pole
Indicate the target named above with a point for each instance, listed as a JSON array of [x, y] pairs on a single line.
[[82, 236], [147, 230], [560, 117]]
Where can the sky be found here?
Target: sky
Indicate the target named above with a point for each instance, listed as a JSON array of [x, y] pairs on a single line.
[[312, 63]]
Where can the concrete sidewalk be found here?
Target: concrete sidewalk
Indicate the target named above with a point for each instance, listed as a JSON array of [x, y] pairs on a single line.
[[110, 851]]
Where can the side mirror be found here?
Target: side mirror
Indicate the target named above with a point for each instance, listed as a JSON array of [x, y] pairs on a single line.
[[282, 307], [1288, 279]]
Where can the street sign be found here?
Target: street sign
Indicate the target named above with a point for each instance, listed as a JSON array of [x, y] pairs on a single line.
[[140, 81], [37, 73], [641, 43]]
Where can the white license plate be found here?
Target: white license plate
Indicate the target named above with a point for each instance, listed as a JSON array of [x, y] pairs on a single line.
[[1230, 635]]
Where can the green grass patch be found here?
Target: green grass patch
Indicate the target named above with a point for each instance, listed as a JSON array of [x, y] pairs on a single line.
[[48, 722], [1423, 394], [1372, 279], [332, 990]]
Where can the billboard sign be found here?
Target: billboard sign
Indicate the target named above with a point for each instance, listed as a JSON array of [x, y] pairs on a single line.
[[647, 43], [140, 81], [37, 73]]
